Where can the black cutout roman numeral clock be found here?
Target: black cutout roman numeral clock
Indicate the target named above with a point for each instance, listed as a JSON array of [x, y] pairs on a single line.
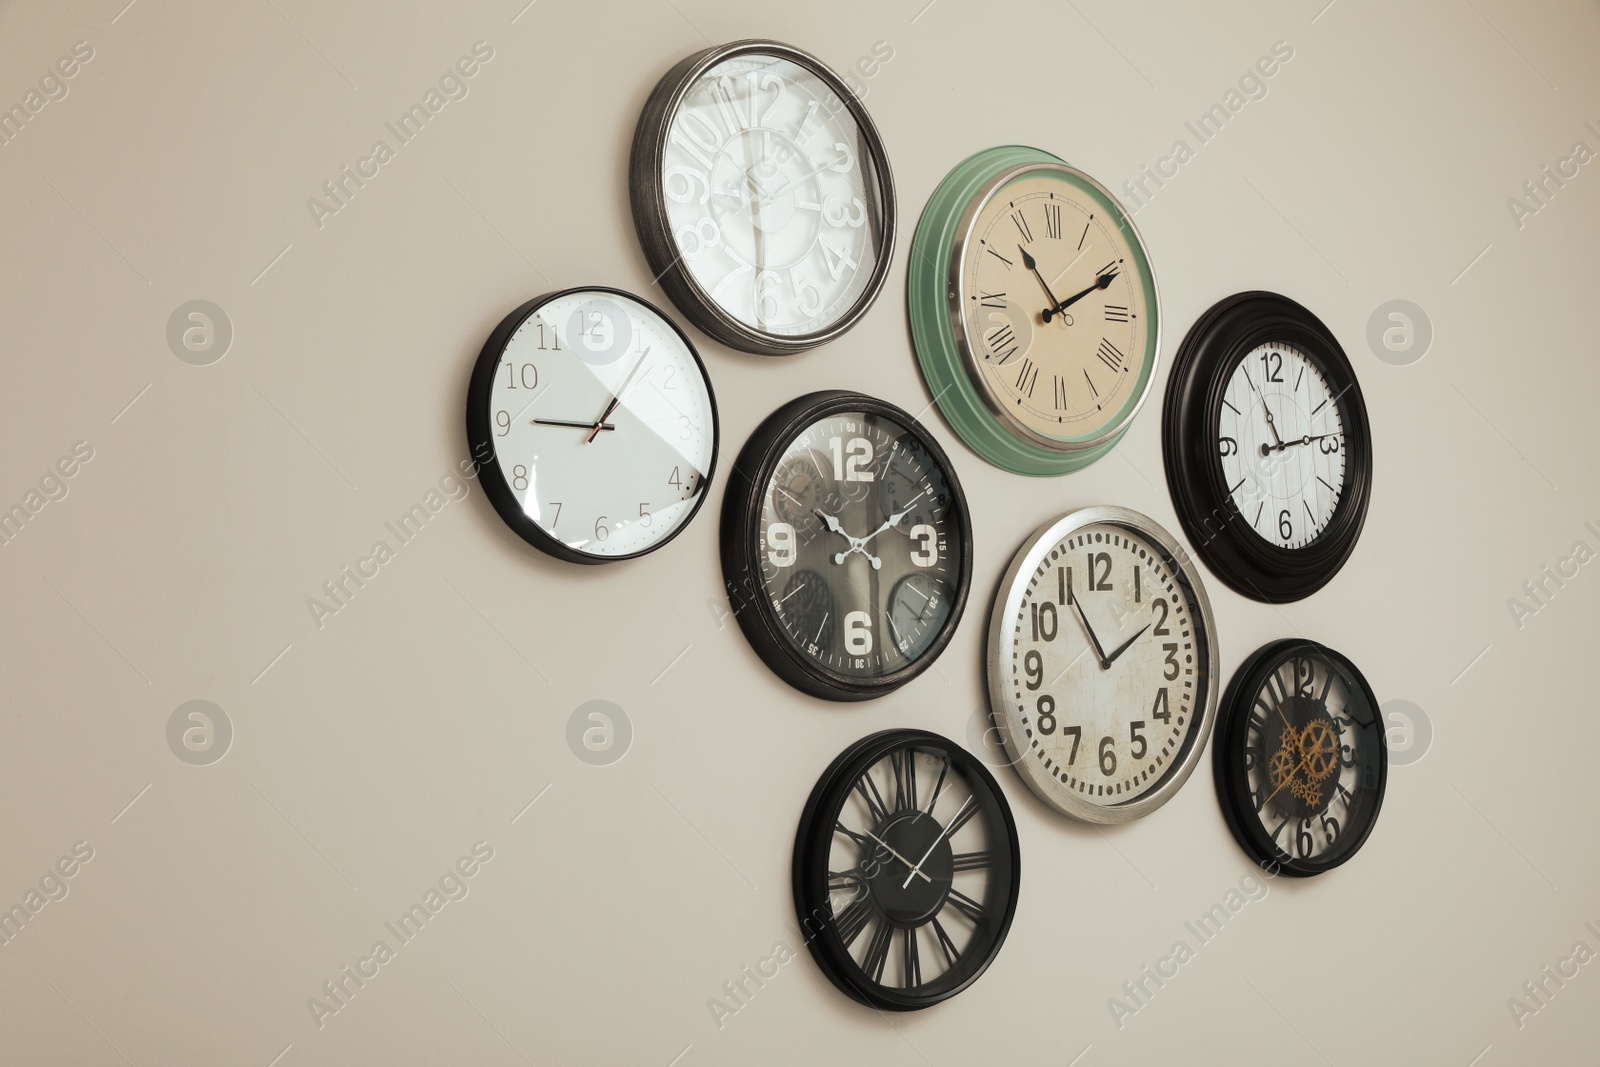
[[906, 870]]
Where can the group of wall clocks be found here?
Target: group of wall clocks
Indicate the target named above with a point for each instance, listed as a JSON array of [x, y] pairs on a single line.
[[763, 200]]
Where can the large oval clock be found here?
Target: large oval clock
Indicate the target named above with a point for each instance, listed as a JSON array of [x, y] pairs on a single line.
[[1102, 665], [1033, 309], [762, 197], [1268, 451], [846, 545], [906, 870], [1301, 758], [593, 424]]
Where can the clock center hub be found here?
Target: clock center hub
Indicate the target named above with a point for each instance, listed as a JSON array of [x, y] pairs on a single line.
[[920, 838]]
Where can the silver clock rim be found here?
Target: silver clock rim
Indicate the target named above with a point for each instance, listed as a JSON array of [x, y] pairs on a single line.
[[958, 313], [648, 195], [1001, 643]]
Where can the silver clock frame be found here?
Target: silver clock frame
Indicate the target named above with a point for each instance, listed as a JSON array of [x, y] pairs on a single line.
[[1001, 645], [973, 361], [648, 197]]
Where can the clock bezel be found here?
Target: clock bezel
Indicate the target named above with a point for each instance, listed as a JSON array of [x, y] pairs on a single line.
[[647, 195], [1230, 774], [1002, 648], [752, 472], [813, 843], [1191, 426], [480, 430]]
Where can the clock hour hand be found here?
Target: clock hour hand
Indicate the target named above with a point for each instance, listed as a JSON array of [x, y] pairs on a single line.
[[857, 544], [1098, 651], [1281, 445], [1124, 646], [617, 399], [1099, 283], [1029, 263]]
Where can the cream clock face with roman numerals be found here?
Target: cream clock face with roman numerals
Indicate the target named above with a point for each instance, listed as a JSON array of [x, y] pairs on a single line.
[[1102, 654], [1054, 308], [1281, 443]]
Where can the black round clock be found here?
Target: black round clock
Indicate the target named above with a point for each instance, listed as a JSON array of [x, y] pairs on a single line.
[[906, 870], [1268, 451], [1300, 758], [846, 545]]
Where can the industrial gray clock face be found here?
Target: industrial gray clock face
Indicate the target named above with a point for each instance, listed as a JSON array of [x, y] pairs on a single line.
[[858, 545]]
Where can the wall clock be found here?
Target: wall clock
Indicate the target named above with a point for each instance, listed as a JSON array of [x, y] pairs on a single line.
[[906, 870], [1102, 656], [594, 425], [1268, 452], [846, 545], [1301, 758], [1033, 309], [762, 197]]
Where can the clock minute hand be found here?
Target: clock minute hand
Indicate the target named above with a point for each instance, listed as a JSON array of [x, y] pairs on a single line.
[[902, 859], [1029, 263], [954, 819], [617, 398], [1098, 651]]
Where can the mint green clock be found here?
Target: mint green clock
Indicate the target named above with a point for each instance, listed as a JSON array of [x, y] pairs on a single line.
[[1033, 309]]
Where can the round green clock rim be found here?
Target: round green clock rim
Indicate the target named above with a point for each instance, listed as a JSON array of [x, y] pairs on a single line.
[[928, 310]]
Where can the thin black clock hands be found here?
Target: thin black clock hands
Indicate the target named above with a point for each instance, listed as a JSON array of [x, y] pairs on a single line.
[[1030, 264], [1306, 440], [1124, 646], [574, 425], [1099, 283], [1098, 651]]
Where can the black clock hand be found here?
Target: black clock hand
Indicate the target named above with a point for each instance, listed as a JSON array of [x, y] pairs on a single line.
[[1028, 262], [1281, 445], [1124, 647], [1099, 283], [617, 399], [1098, 651], [574, 425]]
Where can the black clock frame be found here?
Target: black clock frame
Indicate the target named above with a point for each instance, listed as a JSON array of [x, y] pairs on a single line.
[[1190, 428], [480, 430], [810, 868], [741, 546], [648, 199], [1231, 777]]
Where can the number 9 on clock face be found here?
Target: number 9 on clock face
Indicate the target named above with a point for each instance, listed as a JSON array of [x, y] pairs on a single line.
[[1101, 665], [594, 424]]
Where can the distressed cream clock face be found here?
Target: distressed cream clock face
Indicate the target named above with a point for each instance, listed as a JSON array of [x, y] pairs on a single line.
[[1054, 308]]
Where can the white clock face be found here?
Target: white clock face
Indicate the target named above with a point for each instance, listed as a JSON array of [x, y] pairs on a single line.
[[603, 423], [1103, 674], [770, 195], [1281, 444], [1054, 308]]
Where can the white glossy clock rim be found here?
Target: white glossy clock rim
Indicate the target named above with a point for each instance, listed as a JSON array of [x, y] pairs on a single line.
[[659, 116], [1002, 643], [973, 361]]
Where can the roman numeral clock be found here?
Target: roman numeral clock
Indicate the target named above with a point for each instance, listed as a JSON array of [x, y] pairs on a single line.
[[1033, 309]]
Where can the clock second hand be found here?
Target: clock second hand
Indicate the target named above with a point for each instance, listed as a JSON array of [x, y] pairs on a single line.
[[617, 399]]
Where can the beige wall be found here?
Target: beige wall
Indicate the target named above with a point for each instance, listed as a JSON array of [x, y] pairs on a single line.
[[424, 717]]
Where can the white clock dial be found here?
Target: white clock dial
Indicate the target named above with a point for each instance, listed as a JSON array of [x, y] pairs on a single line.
[[769, 196], [602, 422], [1101, 665], [1281, 444]]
